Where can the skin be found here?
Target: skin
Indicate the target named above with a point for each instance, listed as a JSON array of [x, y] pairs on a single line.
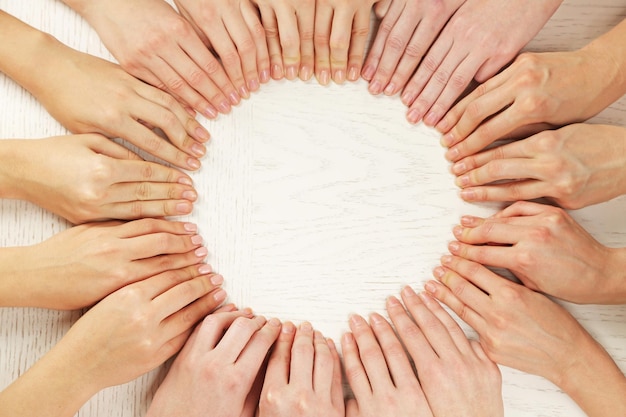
[[90, 95], [547, 250], [479, 39], [303, 377], [554, 88], [79, 266], [215, 372], [524, 330], [341, 31], [565, 165], [289, 28], [129, 333], [233, 29], [406, 31], [114, 182], [157, 45]]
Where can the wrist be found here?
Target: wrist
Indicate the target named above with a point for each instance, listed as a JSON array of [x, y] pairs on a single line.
[[615, 276], [13, 168]]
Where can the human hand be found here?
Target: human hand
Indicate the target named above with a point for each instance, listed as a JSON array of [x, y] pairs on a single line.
[[214, 372], [289, 27], [88, 178], [233, 29], [341, 30], [554, 88], [454, 372], [547, 250], [157, 45], [303, 377], [81, 265], [524, 330], [407, 30], [379, 372], [576, 166], [479, 39]]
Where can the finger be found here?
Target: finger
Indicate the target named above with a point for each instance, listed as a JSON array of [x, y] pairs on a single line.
[[148, 267], [397, 361], [380, 43], [490, 232], [515, 150], [355, 372], [107, 147], [340, 37], [302, 354], [212, 329], [497, 256], [175, 298], [382, 8], [238, 337], [153, 208], [322, 367], [143, 171], [411, 335], [466, 313], [306, 23], [321, 40], [358, 40], [246, 47], [336, 390], [147, 246], [277, 374], [444, 332], [468, 280], [510, 191], [502, 169], [289, 41], [371, 354], [522, 208], [149, 191], [144, 227], [257, 349], [257, 31], [268, 18], [159, 284]]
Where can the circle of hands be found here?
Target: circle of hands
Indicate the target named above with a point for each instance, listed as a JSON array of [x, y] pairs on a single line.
[[146, 275]]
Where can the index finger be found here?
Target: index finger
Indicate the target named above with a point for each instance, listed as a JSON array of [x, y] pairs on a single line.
[[302, 354], [277, 374], [340, 38]]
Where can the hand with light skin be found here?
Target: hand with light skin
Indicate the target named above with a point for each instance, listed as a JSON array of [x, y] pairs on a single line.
[[129, 333], [341, 30], [575, 166], [379, 372], [547, 250], [233, 29], [81, 265], [525, 330], [479, 39], [90, 95], [88, 178], [214, 373], [454, 372], [303, 377], [289, 27], [405, 33], [554, 88], [157, 45]]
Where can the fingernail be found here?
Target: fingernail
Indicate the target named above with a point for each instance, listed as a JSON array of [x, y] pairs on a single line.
[[224, 106], [198, 149], [393, 301], [446, 259], [408, 97], [220, 295], [452, 247], [243, 92], [317, 336], [206, 269], [340, 76], [447, 139], [347, 339], [408, 292], [324, 77], [376, 87], [253, 84], [292, 72], [306, 73], [438, 272], [265, 76], [426, 299], [306, 327], [413, 116], [356, 320], [353, 73], [443, 125], [196, 240], [390, 89], [462, 181], [376, 319], [217, 280], [368, 72], [183, 208], [210, 112], [458, 231], [201, 252], [288, 328], [185, 181], [468, 195], [193, 163], [191, 111], [277, 72], [431, 118], [459, 167], [468, 221], [190, 227], [274, 322], [234, 99], [202, 134], [430, 287], [452, 154], [190, 195]]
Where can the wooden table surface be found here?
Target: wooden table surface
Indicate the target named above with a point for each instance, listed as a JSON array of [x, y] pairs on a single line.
[[314, 203]]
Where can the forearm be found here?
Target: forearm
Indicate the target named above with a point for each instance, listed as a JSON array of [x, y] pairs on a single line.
[[13, 167], [615, 276]]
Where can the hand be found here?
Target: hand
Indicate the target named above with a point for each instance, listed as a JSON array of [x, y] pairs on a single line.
[[554, 88], [479, 39], [547, 250], [405, 33], [233, 29], [576, 166], [303, 377], [524, 330], [341, 30], [215, 371], [289, 27], [455, 374], [88, 178], [379, 372], [79, 266], [157, 45]]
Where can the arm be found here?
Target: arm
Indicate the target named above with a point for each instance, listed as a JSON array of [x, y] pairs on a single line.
[[90, 95]]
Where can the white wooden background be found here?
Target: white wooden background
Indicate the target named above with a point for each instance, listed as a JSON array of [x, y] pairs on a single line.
[[315, 203]]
